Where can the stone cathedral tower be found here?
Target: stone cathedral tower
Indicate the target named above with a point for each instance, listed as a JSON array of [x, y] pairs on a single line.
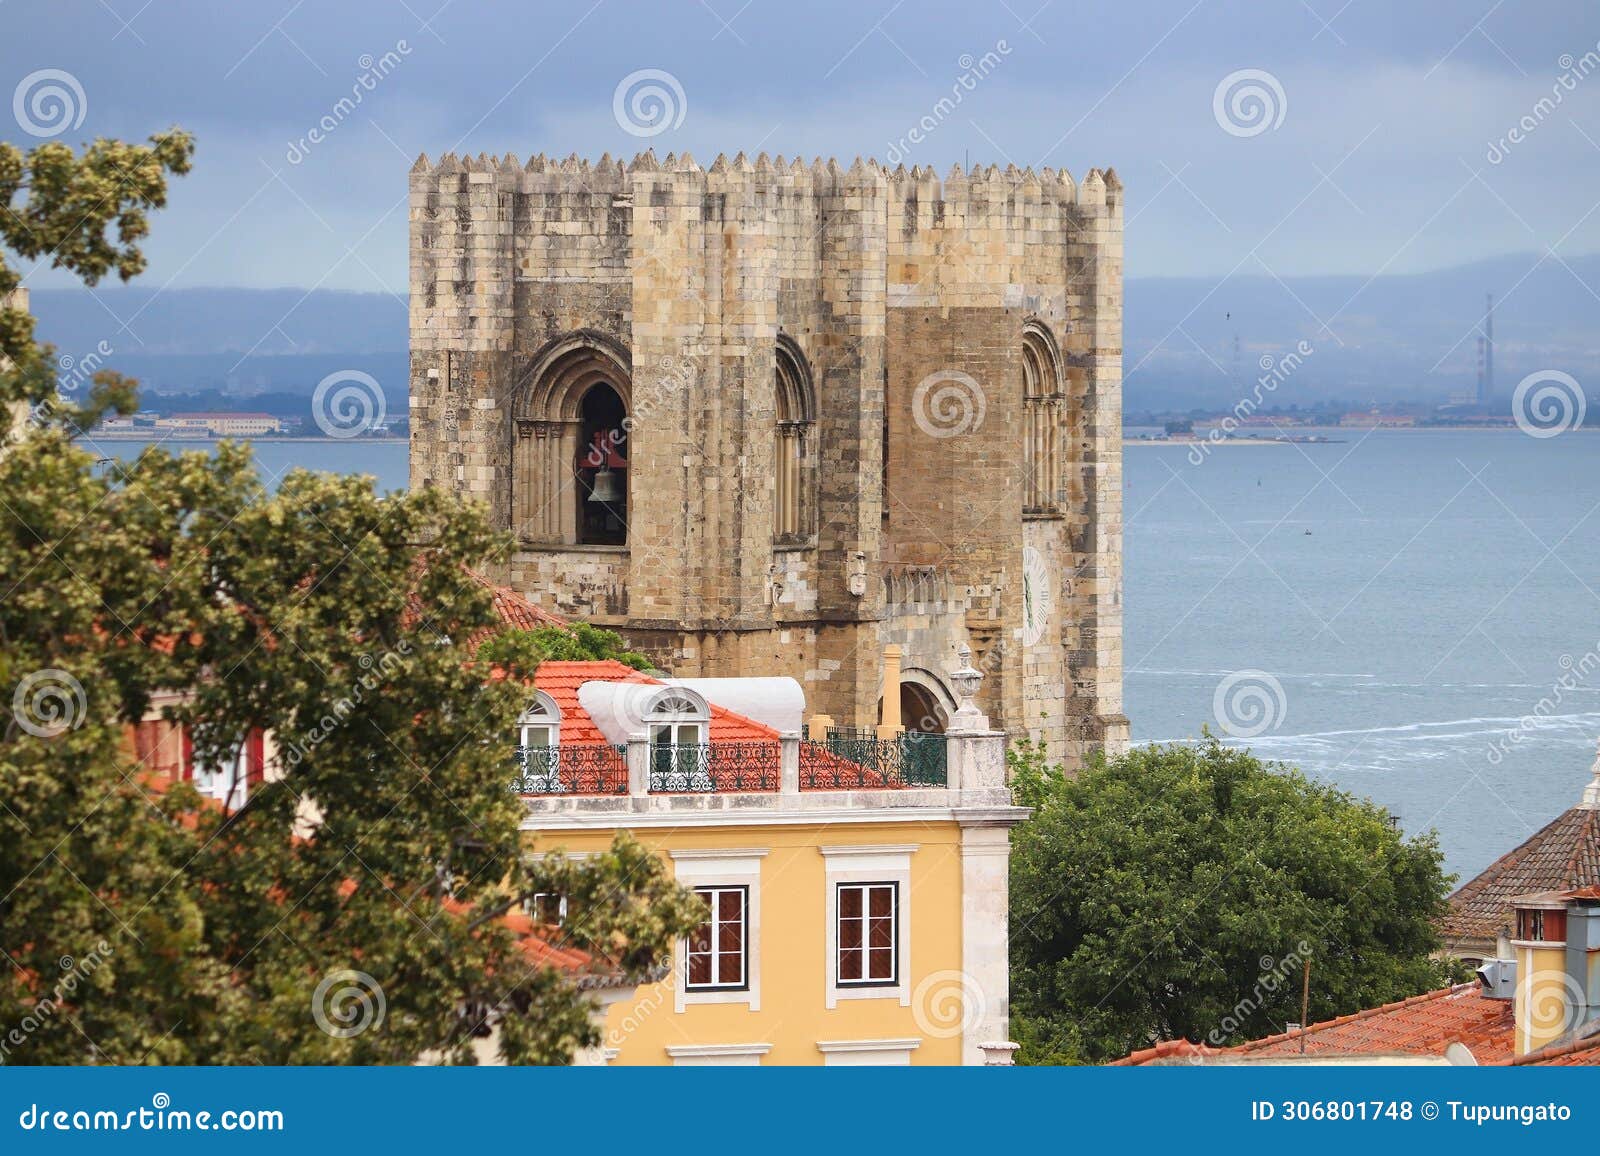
[[770, 417]]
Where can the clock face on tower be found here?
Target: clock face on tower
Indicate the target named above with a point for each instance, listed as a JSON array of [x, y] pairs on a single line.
[[1035, 595]]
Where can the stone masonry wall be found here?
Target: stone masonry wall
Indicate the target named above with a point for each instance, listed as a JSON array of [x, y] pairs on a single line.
[[906, 295]]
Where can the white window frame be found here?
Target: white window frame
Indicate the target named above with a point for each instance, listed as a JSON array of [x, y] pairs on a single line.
[[226, 783], [713, 893], [739, 867], [866, 887], [867, 1053], [717, 1055], [560, 904], [872, 863], [542, 714], [684, 716]]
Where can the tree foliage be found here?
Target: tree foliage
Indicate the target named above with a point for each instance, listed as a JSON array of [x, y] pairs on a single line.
[[522, 651], [1176, 891], [350, 912]]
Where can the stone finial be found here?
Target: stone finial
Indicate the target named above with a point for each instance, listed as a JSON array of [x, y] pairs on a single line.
[[669, 163], [686, 163], [741, 163], [449, 164], [510, 161], [536, 163], [900, 175], [645, 162], [1591, 793], [763, 163], [1111, 179], [421, 164], [720, 165], [468, 165], [965, 680]]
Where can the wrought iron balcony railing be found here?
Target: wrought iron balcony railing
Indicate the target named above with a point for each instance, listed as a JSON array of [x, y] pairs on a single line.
[[853, 760], [572, 769], [715, 767]]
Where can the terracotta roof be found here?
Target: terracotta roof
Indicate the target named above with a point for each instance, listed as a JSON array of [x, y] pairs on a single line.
[[561, 680], [1579, 1053], [1562, 855], [1423, 1025], [515, 610]]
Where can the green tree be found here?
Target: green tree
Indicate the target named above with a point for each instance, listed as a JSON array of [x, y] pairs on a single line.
[[1175, 892], [350, 912], [522, 651]]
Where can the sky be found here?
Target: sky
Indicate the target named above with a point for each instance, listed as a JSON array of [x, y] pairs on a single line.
[[1279, 138]]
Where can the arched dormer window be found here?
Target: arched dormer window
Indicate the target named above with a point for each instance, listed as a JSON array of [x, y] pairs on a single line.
[[793, 513], [539, 745], [679, 724], [678, 717], [540, 724], [1043, 393]]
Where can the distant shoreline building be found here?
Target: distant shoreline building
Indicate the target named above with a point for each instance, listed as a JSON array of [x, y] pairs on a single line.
[[218, 425], [775, 416]]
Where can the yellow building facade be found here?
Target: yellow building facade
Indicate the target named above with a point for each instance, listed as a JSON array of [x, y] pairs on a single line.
[[858, 901]]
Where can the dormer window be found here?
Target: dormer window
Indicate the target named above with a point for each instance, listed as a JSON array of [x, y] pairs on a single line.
[[539, 744], [679, 722], [678, 719], [540, 724]]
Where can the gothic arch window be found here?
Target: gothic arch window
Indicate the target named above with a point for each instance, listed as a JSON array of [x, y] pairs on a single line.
[[793, 514], [570, 456], [1043, 394]]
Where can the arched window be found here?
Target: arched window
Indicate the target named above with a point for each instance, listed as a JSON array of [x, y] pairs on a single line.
[[677, 717], [540, 724], [570, 456], [539, 745], [793, 516], [679, 723], [1042, 399]]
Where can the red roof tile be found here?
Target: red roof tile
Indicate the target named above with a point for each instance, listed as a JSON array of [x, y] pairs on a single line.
[[515, 610], [561, 680], [1424, 1025], [1581, 1053]]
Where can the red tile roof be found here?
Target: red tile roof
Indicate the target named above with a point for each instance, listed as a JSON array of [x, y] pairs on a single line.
[[561, 680], [1562, 855], [515, 610], [1580, 1053], [1424, 1025]]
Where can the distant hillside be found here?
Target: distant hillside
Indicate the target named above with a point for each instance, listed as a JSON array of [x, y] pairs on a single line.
[[1412, 336], [1187, 342]]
